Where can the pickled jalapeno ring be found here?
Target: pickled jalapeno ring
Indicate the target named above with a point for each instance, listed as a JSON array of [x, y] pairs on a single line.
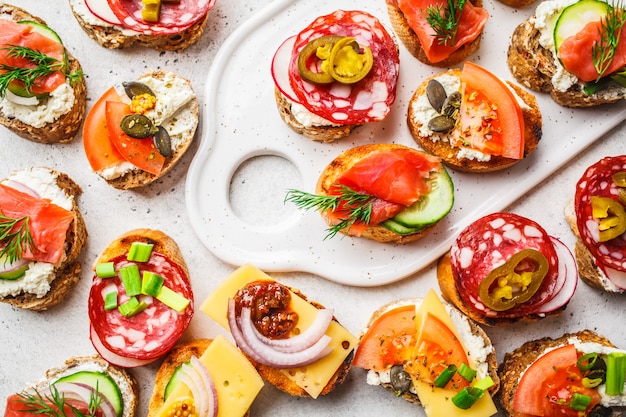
[[514, 282], [319, 48], [611, 216]]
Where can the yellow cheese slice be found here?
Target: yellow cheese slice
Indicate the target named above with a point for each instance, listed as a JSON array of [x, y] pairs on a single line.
[[312, 378], [236, 380], [437, 401]]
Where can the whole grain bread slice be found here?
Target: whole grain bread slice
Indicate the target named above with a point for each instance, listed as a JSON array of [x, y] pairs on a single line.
[[63, 129], [67, 273]]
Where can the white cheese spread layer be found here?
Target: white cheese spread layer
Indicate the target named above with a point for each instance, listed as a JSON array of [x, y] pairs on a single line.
[[48, 110]]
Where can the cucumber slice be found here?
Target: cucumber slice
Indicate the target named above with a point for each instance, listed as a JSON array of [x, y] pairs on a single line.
[[430, 208], [576, 16], [171, 384], [48, 33], [400, 229], [103, 382]]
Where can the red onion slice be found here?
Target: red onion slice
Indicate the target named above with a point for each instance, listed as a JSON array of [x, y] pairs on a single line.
[[209, 386], [13, 270], [190, 377], [20, 186], [568, 274], [84, 393]]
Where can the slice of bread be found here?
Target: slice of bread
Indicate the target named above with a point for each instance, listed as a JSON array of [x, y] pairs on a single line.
[[65, 127], [412, 43], [67, 273], [129, 387], [337, 167], [438, 144], [533, 66], [518, 360], [116, 37]]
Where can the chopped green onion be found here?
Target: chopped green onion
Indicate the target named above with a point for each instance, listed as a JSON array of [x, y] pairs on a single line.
[[485, 383], [615, 371], [151, 283], [172, 299], [131, 280], [466, 398], [132, 307], [579, 402], [445, 376], [110, 300], [467, 373], [586, 361], [140, 251], [105, 270]]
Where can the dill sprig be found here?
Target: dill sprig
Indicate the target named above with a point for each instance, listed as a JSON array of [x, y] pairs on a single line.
[[15, 237], [603, 50], [54, 404], [445, 21], [351, 206], [43, 65]]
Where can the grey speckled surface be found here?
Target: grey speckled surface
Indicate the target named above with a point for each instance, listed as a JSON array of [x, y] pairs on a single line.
[[33, 342]]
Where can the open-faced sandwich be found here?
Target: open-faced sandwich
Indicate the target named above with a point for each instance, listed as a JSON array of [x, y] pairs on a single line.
[[42, 233], [503, 268], [207, 377], [575, 50], [383, 192], [141, 301], [338, 73], [42, 87], [598, 218], [295, 344], [165, 25], [438, 32], [474, 121], [83, 386], [137, 132], [429, 353], [578, 374]]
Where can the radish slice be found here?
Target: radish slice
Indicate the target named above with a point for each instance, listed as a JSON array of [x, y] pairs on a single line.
[[618, 278], [568, 273], [102, 10], [280, 69], [114, 358], [85, 393]]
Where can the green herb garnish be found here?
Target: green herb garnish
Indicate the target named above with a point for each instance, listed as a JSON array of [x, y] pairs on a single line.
[[44, 65], [15, 237], [351, 206], [54, 405], [445, 21], [603, 50]]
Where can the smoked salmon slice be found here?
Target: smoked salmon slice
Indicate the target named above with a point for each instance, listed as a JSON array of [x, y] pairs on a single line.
[[48, 223]]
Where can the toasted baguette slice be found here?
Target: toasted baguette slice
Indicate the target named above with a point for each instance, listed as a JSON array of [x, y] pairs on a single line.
[[342, 163], [438, 144], [533, 66], [67, 273], [139, 178], [518, 360], [414, 46], [456, 316], [129, 388], [116, 37], [65, 127], [450, 293]]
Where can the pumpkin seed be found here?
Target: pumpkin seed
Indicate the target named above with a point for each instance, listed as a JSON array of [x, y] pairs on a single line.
[[451, 104], [436, 94], [400, 379], [441, 124], [135, 88], [163, 142]]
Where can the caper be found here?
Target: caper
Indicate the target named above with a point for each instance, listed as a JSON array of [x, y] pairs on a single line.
[[441, 124], [436, 94], [451, 104], [135, 88], [400, 379], [163, 142], [137, 126]]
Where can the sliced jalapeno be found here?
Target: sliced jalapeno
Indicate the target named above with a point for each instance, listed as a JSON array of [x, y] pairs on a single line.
[[319, 48], [514, 282], [349, 61], [611, 216], [137, 126]]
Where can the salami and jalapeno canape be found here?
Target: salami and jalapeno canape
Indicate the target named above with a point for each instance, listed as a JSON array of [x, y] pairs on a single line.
[[338, 73], [295, 344], [598, 218], [504, 267], [141, 301], [578, 374]]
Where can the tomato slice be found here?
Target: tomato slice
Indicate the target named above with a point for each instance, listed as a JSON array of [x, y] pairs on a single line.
[[100, 151], [436, 348], [491, 118], [388, 341], [140, 152]]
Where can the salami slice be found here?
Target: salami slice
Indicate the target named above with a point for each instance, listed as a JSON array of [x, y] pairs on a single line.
[[368, 100], [149, 334], [597, 181], [490, 242], [174, 17]]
